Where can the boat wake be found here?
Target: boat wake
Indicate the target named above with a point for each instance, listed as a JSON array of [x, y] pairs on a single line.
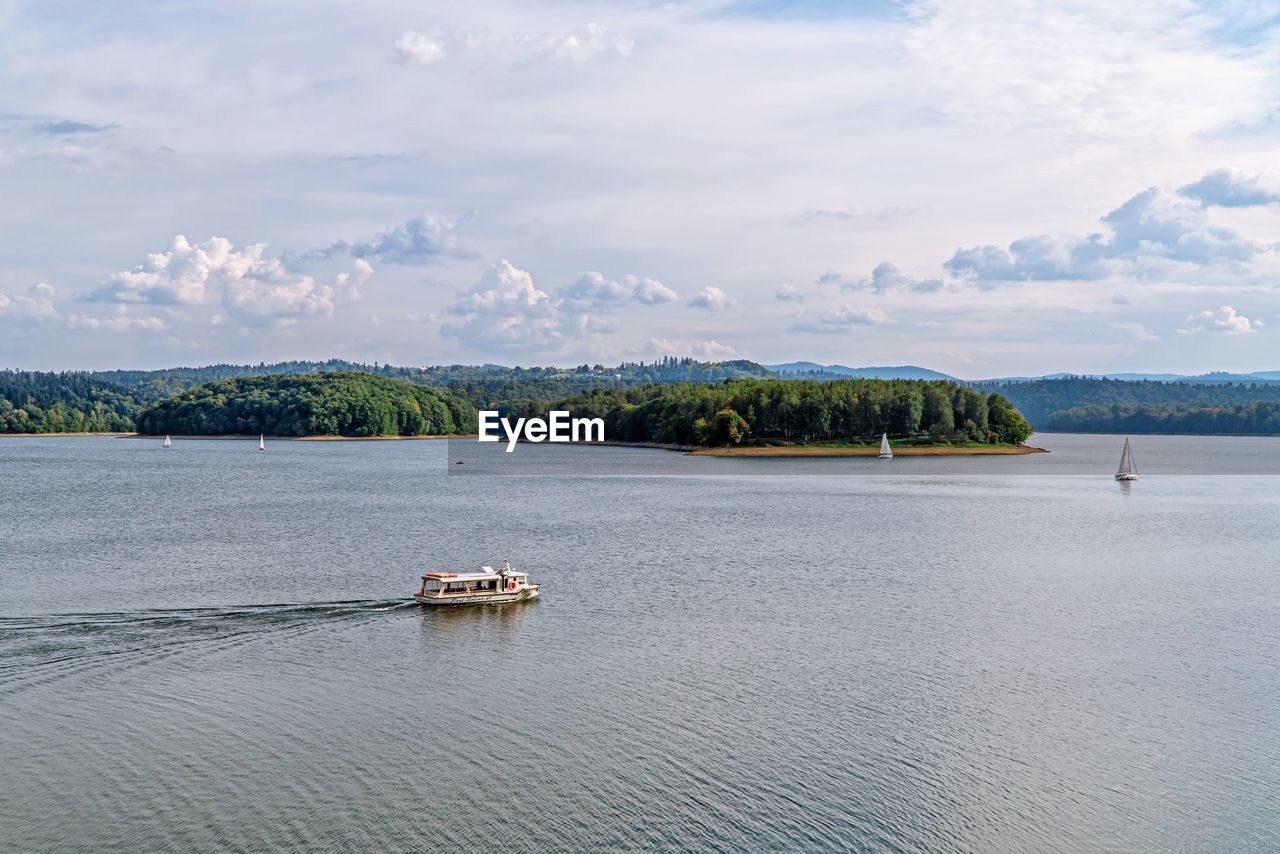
[[37, 649]]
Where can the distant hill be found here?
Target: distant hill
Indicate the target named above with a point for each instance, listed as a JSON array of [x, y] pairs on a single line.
[[1212, 378], [898, 372], [1041, 400], [1201, 379]]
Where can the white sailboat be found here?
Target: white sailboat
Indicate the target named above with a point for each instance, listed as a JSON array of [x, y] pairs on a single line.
[[1127, 470], [885, 453], [262, 442], [168, 443]]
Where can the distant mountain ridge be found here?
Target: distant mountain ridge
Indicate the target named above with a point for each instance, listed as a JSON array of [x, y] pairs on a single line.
[[915, 372], [896, 372], [1211, 378]]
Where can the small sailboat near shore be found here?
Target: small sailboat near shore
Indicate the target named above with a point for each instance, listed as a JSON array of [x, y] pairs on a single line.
[[262, 441], [1128, 469], [168, 443], [885, 452]]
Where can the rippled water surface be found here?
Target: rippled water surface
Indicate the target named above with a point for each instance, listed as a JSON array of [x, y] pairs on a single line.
[[212, 649]]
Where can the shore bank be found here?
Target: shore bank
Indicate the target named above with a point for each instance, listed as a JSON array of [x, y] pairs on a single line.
[[77, 433], [868, 451], [239, 436]]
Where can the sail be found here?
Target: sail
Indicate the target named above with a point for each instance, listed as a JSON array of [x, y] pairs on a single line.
[[262, 442], [1126, 462], [168, 443], [884, 445]]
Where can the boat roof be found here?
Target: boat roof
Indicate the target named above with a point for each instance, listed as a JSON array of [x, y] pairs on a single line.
[[483, 575]]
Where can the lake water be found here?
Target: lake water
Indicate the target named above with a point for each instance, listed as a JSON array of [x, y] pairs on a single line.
[[211, 649]]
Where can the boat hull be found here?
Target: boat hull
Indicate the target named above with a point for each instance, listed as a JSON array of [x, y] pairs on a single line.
[[1126, 477], [501, 597]]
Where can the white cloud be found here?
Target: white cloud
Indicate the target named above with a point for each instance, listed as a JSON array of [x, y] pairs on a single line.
[[254, 289], [884, 277], [841, 319], [887, 277], [117, 319], [505, 302], [845, 316], [1144, 69], [420, 48], [421, 240], [503, 289], [1133, 330], [650, 291], [712, 299], [594, 290], [587, 44], [698, 348], [35, 306], [348, 285], [1225, 320], [1150, 234], [503, 309], [1229, 189], [788, 293]]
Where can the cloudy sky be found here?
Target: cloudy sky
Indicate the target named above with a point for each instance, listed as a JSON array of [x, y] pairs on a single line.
[[980, 187]]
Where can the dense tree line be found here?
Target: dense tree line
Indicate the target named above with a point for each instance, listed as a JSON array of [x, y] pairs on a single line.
[[332, 403], [112, 400], [493, 381], [63, 403], [798, 410], [1259, 417], [1040, 399]]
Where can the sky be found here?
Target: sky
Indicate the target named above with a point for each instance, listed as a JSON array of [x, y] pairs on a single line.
[[983, 188]]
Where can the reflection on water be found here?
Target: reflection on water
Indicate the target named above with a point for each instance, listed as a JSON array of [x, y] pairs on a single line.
[[768, 661], [501, 617]]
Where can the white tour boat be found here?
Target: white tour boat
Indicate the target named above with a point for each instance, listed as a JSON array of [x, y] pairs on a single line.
[[475, 588]]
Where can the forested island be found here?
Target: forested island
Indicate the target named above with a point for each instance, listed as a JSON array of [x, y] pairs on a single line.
[[332, 403], [776, 412]]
